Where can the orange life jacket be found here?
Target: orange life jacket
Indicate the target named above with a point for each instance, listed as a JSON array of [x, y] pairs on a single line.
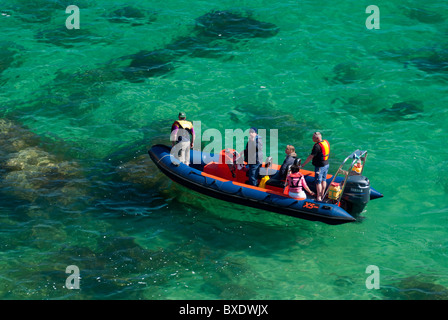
[[325, 147]]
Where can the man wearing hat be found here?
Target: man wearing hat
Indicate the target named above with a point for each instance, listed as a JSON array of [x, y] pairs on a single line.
[[180, 138], [253, 154]]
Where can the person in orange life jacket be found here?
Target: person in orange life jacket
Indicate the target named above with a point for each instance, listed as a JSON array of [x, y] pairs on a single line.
[[180, 138], [253, 154], [319, 156], [296, 182]]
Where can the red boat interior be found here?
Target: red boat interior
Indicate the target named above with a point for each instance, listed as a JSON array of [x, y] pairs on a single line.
[[228, 169]]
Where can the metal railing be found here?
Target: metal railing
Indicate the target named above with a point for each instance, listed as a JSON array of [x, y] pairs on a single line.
[[357, 156]]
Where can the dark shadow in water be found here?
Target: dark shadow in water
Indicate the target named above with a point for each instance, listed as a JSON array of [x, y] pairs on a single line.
[[424, 15], [148, 64], [347, 73], [132, 15], [433, 60], [215, 25], [419, 287], [71, 92], [9, 56], [6, 57], [42, 11], [231, 25], [406, 110], [436, 62], [69, 38]]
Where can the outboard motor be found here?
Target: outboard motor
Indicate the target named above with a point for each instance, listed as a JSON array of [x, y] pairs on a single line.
[[356, 194]]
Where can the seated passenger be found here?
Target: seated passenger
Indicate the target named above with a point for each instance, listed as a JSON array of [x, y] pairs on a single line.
[[296, 182], [280, 175]]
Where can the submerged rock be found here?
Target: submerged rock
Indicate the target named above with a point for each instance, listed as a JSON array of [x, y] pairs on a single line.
[[14, 138], [348, 72], [8, 55], [68, 38], [416, 288], [425, 16], [72, 89], [6, 59], [147, 64], [142, 170], [30, 172], [437, 62], [39, 11], [406, 110], [215, 25], [132, 15], [432, 60], [232, 25]]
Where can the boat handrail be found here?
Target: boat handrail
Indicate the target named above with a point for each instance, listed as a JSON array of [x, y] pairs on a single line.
[[357, 156]]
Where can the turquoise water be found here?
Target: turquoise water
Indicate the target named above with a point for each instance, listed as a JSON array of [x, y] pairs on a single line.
[[79, 189]]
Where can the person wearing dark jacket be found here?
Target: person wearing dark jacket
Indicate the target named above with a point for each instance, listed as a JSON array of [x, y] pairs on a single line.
[[253, 154], [281, 174]]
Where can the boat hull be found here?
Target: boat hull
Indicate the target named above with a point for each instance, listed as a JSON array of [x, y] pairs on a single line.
[[193, 178]]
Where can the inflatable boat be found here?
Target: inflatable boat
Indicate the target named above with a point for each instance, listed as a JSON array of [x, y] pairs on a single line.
[[224, 177]]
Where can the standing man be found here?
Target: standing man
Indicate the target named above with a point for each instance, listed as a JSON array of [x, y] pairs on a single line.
[[253, 154], [319, 155], [180, 137]]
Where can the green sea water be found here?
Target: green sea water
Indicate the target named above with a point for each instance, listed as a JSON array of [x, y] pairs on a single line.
[[78, 188]]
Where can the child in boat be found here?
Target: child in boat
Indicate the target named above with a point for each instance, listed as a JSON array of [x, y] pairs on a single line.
[[296, 182]]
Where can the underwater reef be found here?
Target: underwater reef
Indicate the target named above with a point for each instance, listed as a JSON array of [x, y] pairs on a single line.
[[29, 172], [132, 15], [418, 287], [205, 41], [431, 60], [9, 55]]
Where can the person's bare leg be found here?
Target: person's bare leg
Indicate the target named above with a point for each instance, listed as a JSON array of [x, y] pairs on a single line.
[[319, 191], [322, 191]]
